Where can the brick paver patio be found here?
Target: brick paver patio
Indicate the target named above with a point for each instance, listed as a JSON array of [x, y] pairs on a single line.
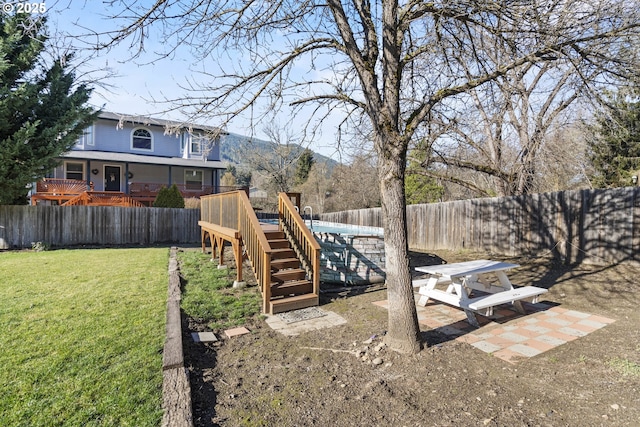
[[509, 335]]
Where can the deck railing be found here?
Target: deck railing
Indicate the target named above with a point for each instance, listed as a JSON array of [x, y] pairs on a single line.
[[303, 241], [149, 190], [103, 198], [62, 186], [233, 210], [257, 247]]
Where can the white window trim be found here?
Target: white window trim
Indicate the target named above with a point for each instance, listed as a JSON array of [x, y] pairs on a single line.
[[192, 138], [141, 149], [189, 173], [86, 138], [66, 169], [90, 136], [183, 137]]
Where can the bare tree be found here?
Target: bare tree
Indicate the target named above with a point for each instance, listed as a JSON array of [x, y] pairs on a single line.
[[387, 65], [354, 186], [316, 188], [503, 130], [277, 159]]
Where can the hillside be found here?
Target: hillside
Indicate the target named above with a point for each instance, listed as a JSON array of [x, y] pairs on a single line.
[[234, 149]]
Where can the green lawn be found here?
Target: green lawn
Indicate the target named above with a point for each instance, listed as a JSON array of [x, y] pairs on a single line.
[[208, 293], [81, 339]]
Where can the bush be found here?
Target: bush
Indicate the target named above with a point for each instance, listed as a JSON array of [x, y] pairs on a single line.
[[39, 246], [192, 203], [169, 198]]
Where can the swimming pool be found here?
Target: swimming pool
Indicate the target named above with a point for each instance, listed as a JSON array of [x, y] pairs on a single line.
[[345, 229], [349, 254]]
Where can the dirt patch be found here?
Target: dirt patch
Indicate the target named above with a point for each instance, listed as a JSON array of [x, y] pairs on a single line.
[[345, 376]]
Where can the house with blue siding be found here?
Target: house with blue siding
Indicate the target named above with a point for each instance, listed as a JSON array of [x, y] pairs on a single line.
[[136, 156]]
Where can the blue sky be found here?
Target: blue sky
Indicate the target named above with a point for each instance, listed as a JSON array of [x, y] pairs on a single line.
[[138, 81]]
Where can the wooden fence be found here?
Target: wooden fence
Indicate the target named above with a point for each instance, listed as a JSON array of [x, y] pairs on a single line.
[[96, 225], [596, 226]]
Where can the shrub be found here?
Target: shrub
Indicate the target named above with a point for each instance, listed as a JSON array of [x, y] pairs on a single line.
[[169, 198], [192, 203], [39, 246]]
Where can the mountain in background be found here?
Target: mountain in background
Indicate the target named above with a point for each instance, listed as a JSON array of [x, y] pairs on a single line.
[[233, 150]]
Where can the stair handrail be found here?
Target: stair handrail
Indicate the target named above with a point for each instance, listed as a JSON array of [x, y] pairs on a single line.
[[257, 247], [301, 238], [233, 210], [81, 199]]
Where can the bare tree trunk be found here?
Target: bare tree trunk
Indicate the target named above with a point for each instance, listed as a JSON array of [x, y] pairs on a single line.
[[402, 335]]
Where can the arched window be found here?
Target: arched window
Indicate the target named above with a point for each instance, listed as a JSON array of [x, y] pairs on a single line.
[[141, 139]]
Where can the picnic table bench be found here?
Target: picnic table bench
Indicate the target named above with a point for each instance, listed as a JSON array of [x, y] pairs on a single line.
[[468, 287]]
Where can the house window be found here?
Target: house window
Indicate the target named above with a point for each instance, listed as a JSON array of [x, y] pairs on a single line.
[[193, 179], [196, 144], [141, 139], [74, 170], [86, 138]]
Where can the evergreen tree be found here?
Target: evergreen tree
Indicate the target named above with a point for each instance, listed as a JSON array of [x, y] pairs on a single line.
[[243, 178], [169, 198], [418, 187], [42, 111], [305, 162], [614, 141]]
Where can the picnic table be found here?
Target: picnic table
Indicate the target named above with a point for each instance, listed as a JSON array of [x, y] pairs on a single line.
[[469, 285]]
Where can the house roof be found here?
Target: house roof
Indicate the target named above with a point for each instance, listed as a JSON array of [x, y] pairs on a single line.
[[169, 124], [110, 156]]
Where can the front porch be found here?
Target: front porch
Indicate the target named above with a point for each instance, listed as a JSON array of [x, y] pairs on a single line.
[[59, 191]]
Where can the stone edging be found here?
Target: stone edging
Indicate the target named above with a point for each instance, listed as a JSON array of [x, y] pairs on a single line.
[[176, 392]]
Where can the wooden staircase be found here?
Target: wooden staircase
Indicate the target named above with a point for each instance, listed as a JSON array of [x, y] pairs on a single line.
[[285, 258], [290, 288]]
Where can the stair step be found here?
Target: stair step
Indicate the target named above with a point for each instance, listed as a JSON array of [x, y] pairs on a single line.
[[282, 253], [292, 303], [294, 287], [285, 263], [287, 275], [279, 243]]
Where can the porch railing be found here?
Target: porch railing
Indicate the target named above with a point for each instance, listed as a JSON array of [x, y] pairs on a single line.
[[65, 189], [148, 190], [62, 186], [59, 190]]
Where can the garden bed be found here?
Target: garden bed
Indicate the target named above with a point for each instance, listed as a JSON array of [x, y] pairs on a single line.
[[331, 376]]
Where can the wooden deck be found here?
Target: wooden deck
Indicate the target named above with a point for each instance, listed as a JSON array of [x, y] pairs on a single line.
[[59, 190], [62, 191]]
